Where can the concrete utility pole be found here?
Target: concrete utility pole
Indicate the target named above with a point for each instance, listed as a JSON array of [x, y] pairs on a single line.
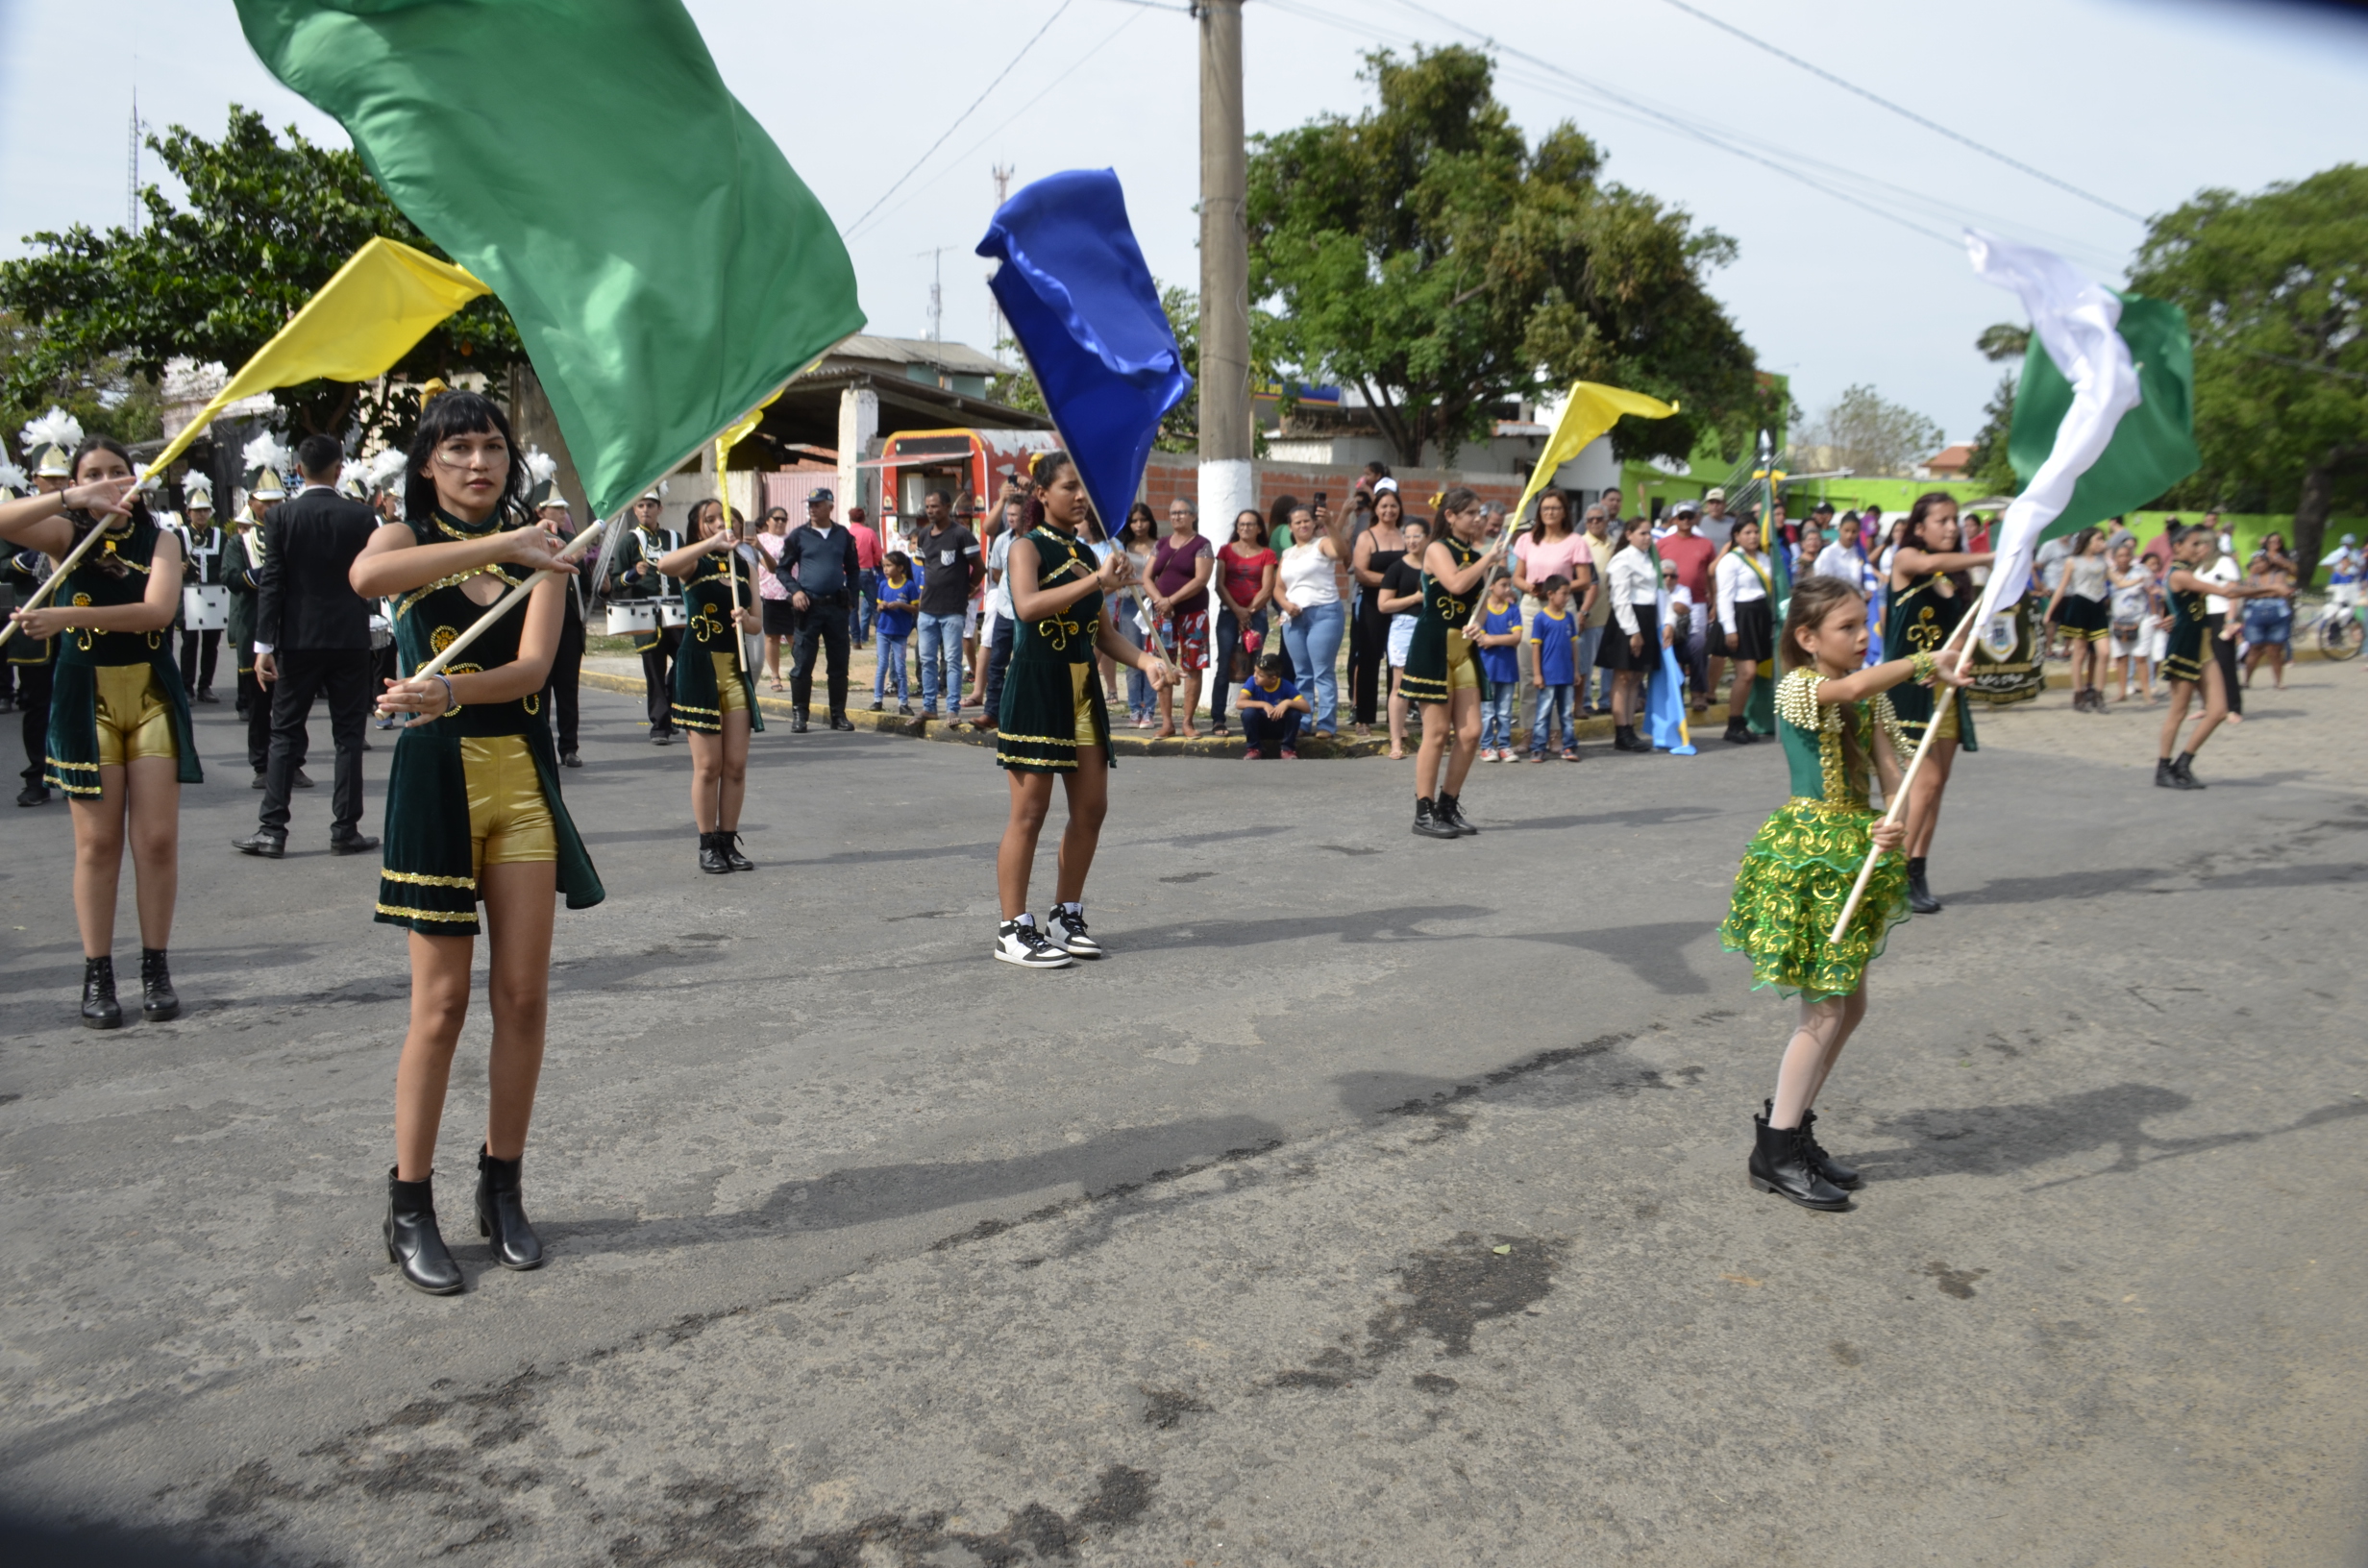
[[1228, 483]]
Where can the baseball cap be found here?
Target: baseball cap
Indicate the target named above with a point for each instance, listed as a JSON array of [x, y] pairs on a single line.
[[1683, 508], [813, 496], [1715, 493]]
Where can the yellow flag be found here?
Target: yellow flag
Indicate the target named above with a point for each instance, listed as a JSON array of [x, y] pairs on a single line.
[[384, 298], [1593, 408]]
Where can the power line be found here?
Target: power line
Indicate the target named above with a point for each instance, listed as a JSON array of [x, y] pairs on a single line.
[[964, 116], [1905, 112]]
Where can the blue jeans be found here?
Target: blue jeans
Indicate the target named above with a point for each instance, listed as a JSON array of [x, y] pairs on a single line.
[[941, 661], [1141, 702], [1498, 713], [1554, 703], [1260, 731], [1314, 638], [892, 648], [1221, 648]]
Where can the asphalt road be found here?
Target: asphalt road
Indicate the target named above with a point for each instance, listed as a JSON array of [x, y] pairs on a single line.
[[1378, 1201]]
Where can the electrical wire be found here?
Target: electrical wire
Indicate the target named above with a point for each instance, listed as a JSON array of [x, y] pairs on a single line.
[[1059, 78], [959, 118], [1934, 126]]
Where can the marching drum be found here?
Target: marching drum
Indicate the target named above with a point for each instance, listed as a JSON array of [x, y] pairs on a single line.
[[671, 613], [625, 619], [206, 608]]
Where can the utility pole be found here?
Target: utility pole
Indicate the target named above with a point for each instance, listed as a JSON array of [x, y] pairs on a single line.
[[995, 306], [937, 293], [131, 179], [1228, 484]]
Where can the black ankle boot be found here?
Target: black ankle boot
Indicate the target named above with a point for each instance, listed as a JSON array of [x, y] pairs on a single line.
[[1832, 1169], [2181, 766], [729, 844], [1919, 896], [414, 1243], [1739, 733], [1450, 811], [100, 1009], [157, 1001], [2164, 779], [1779, 1165], [1628, 739], [1428, 824], [711, 855], [501, 1213]]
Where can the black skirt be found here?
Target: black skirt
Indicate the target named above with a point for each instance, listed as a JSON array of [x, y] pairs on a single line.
[[1612, 653], [2088, 616], [781, 617], [1755, 631]]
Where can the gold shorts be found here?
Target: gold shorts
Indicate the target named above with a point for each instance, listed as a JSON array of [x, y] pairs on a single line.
[[510, 821], [1081, 702], [730, 697], [1944, 722], [1463, 670], [134, 719]]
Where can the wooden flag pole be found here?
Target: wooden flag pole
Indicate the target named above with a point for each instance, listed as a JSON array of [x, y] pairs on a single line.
[[56, 578], [1898, 806]]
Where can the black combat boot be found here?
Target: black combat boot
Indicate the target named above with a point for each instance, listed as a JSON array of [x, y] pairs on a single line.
[[157, 999], [729, 844], [1450, 811], [711, 858], [100, 1009], [2180, 771], [1426, 823], [1832, 1169], [1780, 1163], [1920, 895]]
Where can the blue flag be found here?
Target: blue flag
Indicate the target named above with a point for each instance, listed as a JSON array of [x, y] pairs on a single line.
[[1079, 298], [1664, 706]]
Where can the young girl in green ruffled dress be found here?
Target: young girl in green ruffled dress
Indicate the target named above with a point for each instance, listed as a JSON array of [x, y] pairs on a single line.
[[1836, 728]]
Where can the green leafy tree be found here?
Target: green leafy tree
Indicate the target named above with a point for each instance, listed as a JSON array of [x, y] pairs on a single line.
[[2275, 289], [108, 400], [2004, 341], [1424, 253], [268, 222]]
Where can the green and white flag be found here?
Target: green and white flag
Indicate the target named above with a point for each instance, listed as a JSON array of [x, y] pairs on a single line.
[[666, 267], [2104, 416]]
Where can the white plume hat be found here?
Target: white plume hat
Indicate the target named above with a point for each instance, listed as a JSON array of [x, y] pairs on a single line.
[[12, 478], [53, 436], [197, 490], [267, 457]]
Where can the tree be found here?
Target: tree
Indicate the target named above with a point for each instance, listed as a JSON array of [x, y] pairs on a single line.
[[102, 396], [1868, 434], [1425, 254], [1991, 466], [267, 224], [2275, 290]]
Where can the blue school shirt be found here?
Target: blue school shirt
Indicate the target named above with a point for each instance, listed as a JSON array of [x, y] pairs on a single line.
[[1252, 691], [896, 607], [1501, 664], [1556, 636]]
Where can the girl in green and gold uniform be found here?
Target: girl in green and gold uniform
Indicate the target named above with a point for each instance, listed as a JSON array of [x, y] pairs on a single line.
[[2189, 664], [119, 743], [1052, 720], [714, 692], [473, 813], [1443, 668], [1930, 593], [1838, 727]]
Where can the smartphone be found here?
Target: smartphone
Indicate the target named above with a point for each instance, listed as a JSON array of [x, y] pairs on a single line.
[[1321, 496]]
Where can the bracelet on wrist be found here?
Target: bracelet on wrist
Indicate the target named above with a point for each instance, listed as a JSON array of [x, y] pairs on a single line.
[[1922, 668], [451, 704]]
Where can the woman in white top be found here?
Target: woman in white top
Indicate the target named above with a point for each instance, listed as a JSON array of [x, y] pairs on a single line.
[[2220, 632], [1632, 645], [2081, 610], [780, 619], [1139, 537], [1746, 625], [1314, 618]]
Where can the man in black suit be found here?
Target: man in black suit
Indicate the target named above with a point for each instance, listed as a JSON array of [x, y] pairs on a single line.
[[312, 638]]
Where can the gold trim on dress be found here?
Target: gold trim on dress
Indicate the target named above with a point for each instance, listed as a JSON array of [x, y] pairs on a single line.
[[421, 879], [407, 913]]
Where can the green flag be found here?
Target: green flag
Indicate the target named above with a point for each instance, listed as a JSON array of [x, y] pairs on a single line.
[[2154, 444], [665, 265]]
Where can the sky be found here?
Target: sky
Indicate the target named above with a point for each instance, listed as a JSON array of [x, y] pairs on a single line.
[[2136, 102]]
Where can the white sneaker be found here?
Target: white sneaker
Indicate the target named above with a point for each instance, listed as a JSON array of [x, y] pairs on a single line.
[[1068, 932], [1015, 943]]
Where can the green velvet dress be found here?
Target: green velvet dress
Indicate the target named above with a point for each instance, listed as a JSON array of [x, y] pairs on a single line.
[[1800, 867], [1438, 633], [73, 748], [707, 601], [1052, 702], [428, 881], [1920, 621], [2183, 658]]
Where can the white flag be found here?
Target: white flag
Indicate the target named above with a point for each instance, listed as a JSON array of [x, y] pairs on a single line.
[[2079, 323]]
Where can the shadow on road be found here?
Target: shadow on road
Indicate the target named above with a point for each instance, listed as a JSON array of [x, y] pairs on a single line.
[[2002, 1139], [1654, 953]]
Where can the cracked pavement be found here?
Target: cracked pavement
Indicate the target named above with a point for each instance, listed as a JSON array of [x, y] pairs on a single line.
[[1378, 1201]]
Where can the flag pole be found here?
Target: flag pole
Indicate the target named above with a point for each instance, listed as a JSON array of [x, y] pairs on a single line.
[[57, 577], [1898, 805], [510, 601]]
